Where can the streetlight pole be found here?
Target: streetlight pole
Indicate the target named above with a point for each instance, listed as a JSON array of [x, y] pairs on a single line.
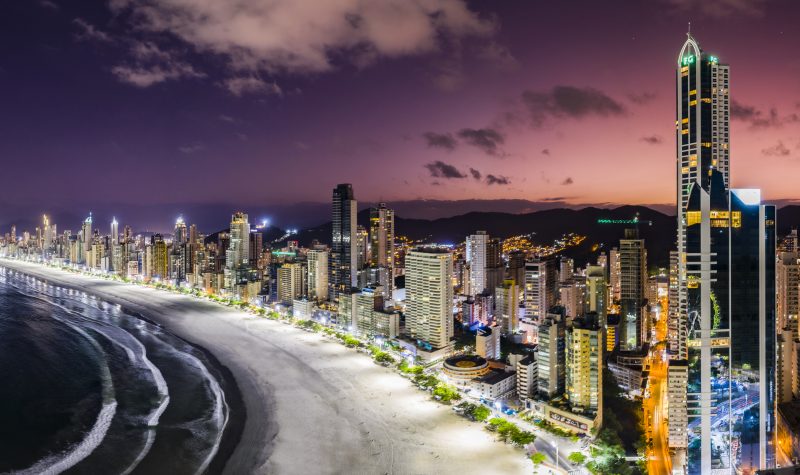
[[556, 446]]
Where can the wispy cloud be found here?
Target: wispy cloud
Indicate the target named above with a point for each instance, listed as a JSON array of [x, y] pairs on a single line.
[[444, 141], [652, 139], [191, 148], [87, 31], [152, 65], [567, 181], [759, 119], [718, 8], [488, 140], [497, 180], [568, 102], [251, 84], [777, 150], [439, 169]]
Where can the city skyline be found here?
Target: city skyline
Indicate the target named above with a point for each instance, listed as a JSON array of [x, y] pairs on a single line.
[[128, 98], [226, 213]]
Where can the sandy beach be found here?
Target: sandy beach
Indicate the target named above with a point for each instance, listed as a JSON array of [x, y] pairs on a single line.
[[312, 405]]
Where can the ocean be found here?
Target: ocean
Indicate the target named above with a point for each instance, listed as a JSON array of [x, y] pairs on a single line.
[[87, 387]]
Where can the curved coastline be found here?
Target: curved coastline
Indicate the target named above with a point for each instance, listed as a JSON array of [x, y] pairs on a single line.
[[308, 404]]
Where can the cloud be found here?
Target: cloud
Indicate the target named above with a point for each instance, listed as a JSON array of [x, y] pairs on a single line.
[[475, 173], [546, 151], [445, 141], [488, 140], [439, 169], [778, 150], [300, 37], [227, 118], [652, 139], [191, 148], [718, 8], [448, 75], [243, 85], [302, 145], [569, 102], [643, 98], [498, 55], [758, 119], [567, 181], [497, 180], [152, 65], [47, 4], [88, 32]]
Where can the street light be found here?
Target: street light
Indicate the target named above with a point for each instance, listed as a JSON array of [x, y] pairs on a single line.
[[556, 447]]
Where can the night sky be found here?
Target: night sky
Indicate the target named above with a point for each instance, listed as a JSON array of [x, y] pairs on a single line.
[[116, 105]]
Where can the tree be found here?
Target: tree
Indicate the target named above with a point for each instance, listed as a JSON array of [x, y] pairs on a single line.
[[537, 458], [577, 457], [480, 413], [522, 437], [446, 393]]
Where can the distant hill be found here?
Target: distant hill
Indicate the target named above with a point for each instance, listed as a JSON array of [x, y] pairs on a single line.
[[549, 225]]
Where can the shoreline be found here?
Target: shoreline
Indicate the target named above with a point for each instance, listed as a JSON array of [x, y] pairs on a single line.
[[308, 404]]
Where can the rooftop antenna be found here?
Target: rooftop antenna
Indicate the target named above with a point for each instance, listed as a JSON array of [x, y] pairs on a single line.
[[689, 31]]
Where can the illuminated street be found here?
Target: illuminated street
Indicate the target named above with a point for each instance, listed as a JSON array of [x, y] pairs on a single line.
[[655, 406]]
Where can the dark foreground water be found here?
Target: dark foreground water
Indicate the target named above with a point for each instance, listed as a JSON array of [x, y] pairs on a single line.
[[87, 388]]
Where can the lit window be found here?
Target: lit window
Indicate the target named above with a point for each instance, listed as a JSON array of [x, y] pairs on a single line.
[[692, 217], [693, 102], [693, 92], [736, 219]]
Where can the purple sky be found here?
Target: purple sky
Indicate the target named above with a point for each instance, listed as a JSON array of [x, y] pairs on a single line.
[[259, 103]]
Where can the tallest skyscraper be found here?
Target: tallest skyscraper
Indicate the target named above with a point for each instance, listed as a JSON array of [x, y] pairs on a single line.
[[724, 346], [342, 275]]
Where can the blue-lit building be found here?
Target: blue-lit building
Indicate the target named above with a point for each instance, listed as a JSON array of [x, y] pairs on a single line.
[[726, 279]]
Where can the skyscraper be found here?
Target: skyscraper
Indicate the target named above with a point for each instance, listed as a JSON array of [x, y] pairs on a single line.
[[317, 274], [343, 261], [114, 231], [381, 236], [237, 255], [541, 289], [429, 296], [726, 284], [584, 365], [476, 258], [633, 278]]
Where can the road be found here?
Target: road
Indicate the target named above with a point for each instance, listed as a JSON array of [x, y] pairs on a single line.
[[659, 461]]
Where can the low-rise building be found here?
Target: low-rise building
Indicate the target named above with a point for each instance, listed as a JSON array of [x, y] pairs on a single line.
[[496, 384], [462, 369]]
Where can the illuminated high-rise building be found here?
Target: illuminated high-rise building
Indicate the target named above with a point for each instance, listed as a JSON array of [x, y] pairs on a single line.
[[291, 282], [429, 296], [633, 278], [237, 254], [179, 237], [726, 285], [343, 262], [584, 365], [541, 287], [114, 231], [476, 259], [47, 234], [317, 279], [381, 236], [86, 234]]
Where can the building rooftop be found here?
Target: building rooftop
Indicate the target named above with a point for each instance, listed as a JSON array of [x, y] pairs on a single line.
[[495, 376]]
